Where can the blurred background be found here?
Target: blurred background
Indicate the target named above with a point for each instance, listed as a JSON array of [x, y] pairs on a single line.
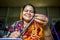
[[10, 12]]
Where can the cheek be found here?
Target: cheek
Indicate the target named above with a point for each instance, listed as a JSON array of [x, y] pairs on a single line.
[[23, 13], [32, 14]]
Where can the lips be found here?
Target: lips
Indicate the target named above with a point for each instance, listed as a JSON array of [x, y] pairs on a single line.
[[27, 15]]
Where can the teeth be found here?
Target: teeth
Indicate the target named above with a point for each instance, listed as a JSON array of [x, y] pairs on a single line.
[[28, 15]]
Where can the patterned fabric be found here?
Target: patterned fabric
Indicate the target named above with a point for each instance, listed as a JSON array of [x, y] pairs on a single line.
[[16, 26], [34, 28]]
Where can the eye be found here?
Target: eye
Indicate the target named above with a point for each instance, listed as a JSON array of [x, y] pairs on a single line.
[[26, 10], [32, 11]]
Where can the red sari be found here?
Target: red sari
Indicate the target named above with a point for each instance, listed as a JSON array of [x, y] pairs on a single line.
[[34, 29]]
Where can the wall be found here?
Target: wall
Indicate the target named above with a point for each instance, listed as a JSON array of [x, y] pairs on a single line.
[[11, 14]]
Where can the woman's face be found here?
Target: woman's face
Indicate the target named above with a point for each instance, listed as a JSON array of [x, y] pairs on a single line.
[[28, 13]]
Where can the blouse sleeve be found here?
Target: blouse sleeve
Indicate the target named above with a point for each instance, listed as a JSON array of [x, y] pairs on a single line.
[[16, 26]]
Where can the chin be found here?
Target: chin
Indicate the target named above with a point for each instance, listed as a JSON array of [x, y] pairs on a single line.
[[27, 20]]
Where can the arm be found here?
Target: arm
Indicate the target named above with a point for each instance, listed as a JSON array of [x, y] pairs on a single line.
[[47, 33], [16, 30], [43, 20]]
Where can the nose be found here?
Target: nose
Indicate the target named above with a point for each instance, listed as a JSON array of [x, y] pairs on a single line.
[[28, 12]]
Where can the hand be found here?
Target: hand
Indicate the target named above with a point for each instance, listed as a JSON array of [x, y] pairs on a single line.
[[42, 19], [15, 34], [24, 37]]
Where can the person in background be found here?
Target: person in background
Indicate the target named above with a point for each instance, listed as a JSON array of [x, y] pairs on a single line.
[[37, 30]]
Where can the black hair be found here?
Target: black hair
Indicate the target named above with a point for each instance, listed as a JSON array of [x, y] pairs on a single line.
[[30, 5]]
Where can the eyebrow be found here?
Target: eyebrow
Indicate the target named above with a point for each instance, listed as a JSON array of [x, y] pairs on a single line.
[[29, 10]]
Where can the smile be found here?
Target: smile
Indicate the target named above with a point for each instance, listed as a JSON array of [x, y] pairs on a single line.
[[27, 15]]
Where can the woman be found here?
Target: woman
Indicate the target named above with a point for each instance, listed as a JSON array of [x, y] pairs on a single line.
[[35, 30]]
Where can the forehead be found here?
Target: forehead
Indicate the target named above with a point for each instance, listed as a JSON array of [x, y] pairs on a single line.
[[29, 7]]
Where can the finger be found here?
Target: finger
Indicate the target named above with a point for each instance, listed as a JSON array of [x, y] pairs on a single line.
[[41, 15], [39, 18], [14, 34], [44, 18], [18, 32], [24, 36], [39, 21]]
